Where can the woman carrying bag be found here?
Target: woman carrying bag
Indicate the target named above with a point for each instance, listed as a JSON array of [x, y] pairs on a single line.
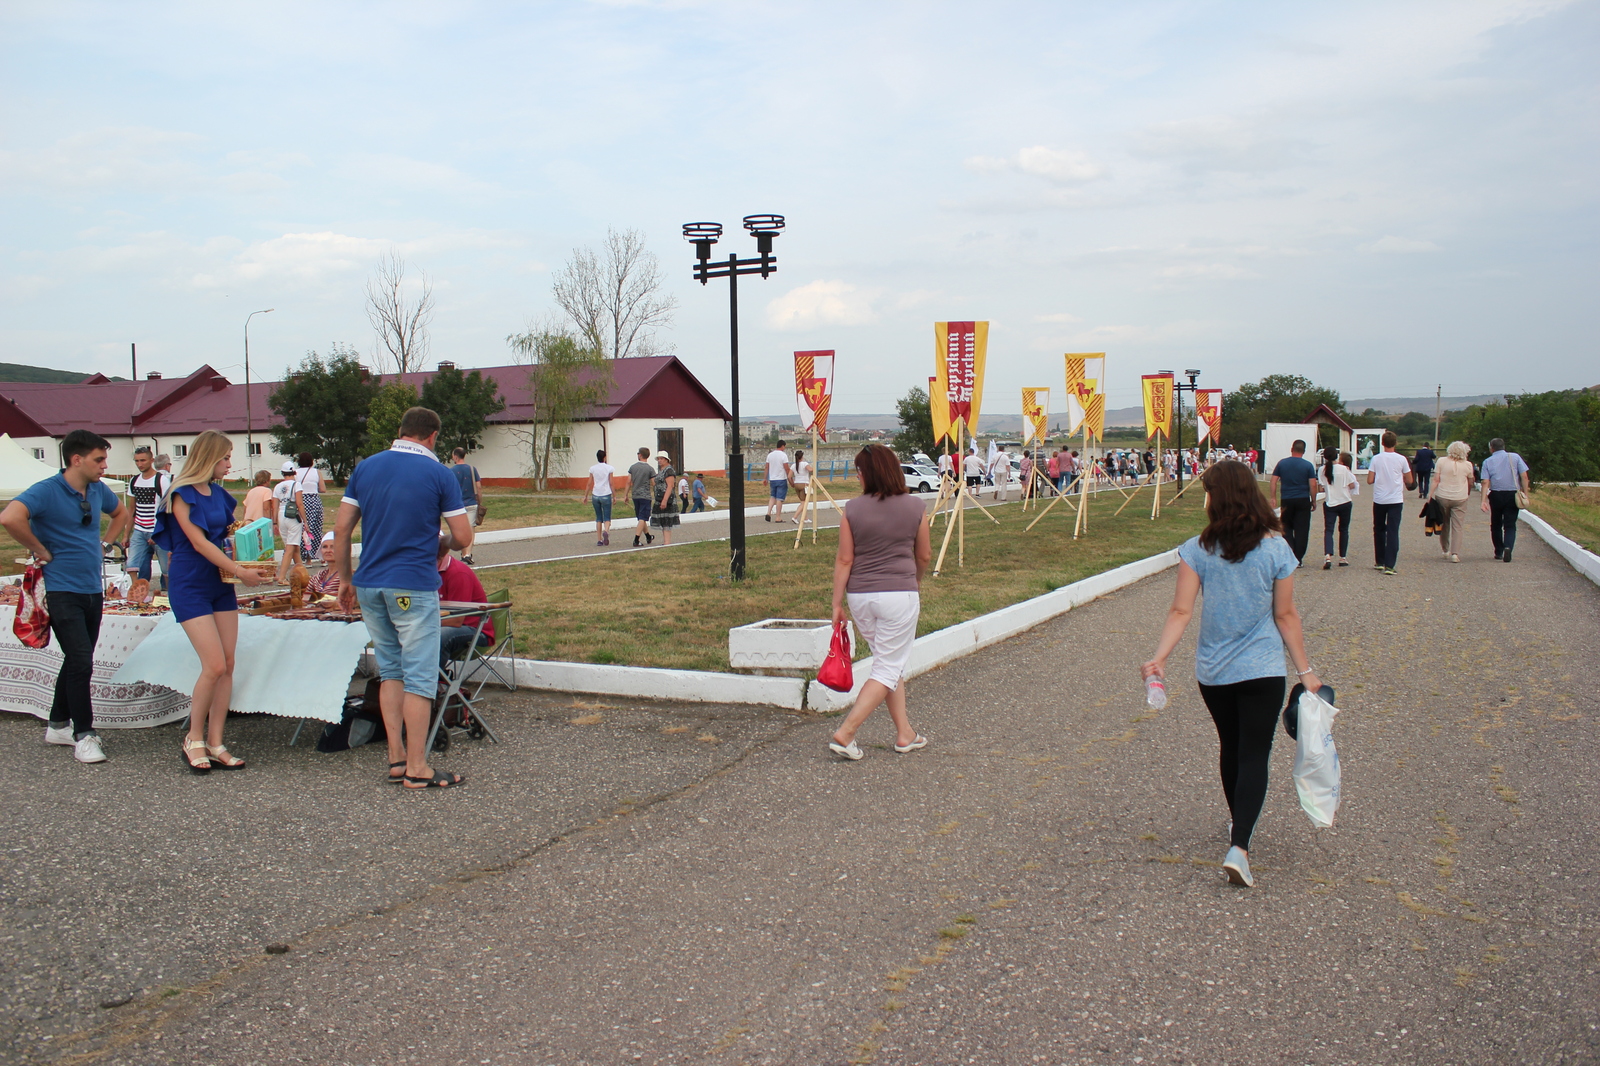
[[192, 524], [884, 549], [1452, 487], [1246, 570]]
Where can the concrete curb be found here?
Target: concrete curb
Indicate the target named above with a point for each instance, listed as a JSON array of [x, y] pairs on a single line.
[[928, 653], [1583, 561]]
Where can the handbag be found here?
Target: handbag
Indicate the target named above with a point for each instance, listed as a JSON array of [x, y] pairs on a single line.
[[835, 672], [32, 622], [483, 512]]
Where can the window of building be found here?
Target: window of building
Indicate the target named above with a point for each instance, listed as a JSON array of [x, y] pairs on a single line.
[[38, 453], [255, 449], [560, 443], [180, 450]]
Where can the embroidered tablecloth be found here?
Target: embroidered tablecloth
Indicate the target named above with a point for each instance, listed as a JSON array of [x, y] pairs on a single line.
[[28, 676]]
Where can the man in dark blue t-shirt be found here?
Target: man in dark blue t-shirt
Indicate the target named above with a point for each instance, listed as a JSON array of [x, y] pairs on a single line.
[[399, 497], [58, 520], [1296, 479]]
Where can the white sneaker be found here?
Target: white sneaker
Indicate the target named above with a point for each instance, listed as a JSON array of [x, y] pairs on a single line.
[[89, 750], [52, 735]]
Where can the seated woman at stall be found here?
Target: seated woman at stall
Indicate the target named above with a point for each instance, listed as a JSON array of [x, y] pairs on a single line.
[[457, 582]]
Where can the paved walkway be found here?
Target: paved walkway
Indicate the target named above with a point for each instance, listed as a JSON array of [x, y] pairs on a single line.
[[628, 882]]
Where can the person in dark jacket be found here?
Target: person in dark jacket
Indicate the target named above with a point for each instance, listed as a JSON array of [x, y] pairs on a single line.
[[1422, 466]]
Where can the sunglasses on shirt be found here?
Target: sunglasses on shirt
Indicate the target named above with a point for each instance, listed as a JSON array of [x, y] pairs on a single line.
[[84, 504]]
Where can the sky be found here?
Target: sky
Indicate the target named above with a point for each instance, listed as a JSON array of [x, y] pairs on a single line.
[[1383, 197]]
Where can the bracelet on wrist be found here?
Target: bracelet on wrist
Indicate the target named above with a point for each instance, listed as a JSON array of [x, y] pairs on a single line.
[[1307, 670]]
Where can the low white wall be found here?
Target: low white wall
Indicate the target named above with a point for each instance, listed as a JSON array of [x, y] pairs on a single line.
[[1583, 561]]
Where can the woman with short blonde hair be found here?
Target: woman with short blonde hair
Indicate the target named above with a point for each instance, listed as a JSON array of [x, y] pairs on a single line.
[[1452, 486]]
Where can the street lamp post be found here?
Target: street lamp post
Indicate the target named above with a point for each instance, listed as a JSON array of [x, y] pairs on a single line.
[[703, 235], [1180, 388], [249, 417]]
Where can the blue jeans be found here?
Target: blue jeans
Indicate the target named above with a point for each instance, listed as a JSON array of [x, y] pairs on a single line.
[[1386, 518], [602, 509], [140, 547], [404, 625]]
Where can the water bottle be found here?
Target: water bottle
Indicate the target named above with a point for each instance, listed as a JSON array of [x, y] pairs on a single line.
[[1155, 693]]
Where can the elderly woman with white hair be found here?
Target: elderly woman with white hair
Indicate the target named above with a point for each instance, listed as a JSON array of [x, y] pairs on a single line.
[[1452, 486]]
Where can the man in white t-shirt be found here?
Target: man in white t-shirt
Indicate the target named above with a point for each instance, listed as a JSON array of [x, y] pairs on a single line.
[[777, 481], [599, 492], [1389, 474], [972, 467], [1000, 472]]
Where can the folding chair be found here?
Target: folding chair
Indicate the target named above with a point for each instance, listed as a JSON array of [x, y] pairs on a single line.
[[482, 658]]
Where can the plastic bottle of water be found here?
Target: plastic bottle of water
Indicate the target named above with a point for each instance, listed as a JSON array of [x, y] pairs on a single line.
[[1155, 693]]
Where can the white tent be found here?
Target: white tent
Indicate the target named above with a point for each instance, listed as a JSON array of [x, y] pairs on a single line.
[[19, 469]]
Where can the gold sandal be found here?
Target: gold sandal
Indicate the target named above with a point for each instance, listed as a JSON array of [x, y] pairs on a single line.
[[201, 767], [222, 759]]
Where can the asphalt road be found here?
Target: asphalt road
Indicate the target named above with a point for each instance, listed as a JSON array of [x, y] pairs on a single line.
[[625, 882]]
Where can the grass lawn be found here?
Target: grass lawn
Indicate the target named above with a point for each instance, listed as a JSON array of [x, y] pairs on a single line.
[[512, 508], [674, 608], [1574, 511]]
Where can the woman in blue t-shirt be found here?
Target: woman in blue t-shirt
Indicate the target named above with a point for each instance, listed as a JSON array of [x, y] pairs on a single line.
[[1246, 570], [196, 514]]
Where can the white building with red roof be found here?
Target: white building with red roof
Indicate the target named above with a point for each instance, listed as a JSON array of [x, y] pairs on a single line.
[[653, 403]]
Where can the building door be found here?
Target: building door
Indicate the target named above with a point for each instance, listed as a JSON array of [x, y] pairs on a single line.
[[671, 442]]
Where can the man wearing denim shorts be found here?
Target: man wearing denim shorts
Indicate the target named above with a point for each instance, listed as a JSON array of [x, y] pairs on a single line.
[[399, 497]]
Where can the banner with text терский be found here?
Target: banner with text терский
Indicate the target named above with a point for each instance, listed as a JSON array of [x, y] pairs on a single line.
[[958, 354]]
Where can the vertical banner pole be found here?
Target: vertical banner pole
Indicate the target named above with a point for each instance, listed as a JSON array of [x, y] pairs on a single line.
[[1081, 523], [1155, 510], [961, 524], [950, 526]]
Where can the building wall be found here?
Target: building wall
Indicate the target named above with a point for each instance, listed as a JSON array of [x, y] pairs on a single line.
[[505, 457]]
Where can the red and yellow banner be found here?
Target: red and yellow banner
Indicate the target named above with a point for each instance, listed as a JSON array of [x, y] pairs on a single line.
[[813, 386], [958, 353], [1086, 402], [1208, 414], [1035, 415], [939, 408], [1157, 404]]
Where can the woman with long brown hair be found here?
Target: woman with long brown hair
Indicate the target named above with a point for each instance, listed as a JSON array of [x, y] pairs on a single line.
[[197, 513], [1246, 570], [884, 548]]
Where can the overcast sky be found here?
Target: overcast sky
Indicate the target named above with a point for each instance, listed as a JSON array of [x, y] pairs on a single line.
[[1383, 197]]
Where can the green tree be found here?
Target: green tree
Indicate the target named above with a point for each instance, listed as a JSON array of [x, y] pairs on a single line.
[[916, 423], [1557, 433], [1275, 398], [463, 403], [389, 403], [324, 406], [566, 379]]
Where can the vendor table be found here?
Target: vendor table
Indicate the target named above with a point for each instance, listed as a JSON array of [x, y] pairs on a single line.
[[293, 668], [28, 676]]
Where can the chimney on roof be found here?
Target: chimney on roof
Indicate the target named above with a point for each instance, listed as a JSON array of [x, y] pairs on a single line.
[[446, 364], [154, 375], [365, 373]]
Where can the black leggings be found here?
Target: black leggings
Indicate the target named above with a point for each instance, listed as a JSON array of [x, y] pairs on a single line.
[[1246, 714], [1339, 516]]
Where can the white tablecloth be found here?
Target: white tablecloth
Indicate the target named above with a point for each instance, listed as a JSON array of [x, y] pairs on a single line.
[[295, 669], [28, 676]]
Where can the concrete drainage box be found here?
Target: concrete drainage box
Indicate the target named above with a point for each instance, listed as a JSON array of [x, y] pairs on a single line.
[[789, 645]]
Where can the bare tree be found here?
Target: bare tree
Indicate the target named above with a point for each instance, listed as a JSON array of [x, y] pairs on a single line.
[[614, 299], [400, 320], [566, 378]]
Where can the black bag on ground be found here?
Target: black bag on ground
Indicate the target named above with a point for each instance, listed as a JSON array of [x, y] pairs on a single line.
[[361, 723]]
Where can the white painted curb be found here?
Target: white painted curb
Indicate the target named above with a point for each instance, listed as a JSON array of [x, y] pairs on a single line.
[[1583, 561], [946, 645], [928, 653]]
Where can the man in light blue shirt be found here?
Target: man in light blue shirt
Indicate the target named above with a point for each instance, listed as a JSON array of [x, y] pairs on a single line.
[[1504, 475]]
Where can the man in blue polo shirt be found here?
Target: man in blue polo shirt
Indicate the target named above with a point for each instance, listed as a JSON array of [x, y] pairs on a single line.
[[1504, 475], [399, 497], [1297, 480], [58, 520]]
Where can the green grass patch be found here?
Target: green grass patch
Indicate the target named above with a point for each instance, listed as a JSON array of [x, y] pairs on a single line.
[[1573, 510], [674, 608]]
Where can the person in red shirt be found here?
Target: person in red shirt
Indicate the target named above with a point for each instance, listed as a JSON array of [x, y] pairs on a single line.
[[457, 582]]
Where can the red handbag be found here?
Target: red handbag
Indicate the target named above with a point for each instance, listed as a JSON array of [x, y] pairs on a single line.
[[835, 671], [32, 623]]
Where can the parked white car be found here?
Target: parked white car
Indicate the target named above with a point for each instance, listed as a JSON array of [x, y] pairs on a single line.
[[920, 477]]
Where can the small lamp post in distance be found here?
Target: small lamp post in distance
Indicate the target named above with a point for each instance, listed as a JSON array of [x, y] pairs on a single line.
[[249, 415], [703, 235]]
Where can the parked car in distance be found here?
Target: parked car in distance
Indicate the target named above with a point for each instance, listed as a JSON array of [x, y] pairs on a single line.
[[920, 477]]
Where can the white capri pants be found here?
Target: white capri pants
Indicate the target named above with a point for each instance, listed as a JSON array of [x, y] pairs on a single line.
[[888, 623]]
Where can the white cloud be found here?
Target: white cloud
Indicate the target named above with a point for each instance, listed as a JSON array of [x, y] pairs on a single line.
[[1391, 245], [1060, 165], [821, 303], [114, 157]]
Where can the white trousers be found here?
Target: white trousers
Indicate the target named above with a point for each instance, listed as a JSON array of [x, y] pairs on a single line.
[[888, 623]]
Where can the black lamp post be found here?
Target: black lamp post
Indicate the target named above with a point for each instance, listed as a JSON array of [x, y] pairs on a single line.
[[703, 235], [1179, 388]]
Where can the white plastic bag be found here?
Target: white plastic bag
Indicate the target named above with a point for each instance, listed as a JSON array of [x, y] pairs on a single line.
[[1316, 761]]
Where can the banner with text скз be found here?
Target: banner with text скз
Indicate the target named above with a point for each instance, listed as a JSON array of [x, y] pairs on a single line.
[[1208, 414], [1035, 414], [1086, 407], [1157, 404], [958, 354], [813, 386]]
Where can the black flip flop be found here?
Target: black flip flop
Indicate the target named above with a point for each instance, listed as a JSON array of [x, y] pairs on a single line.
[[440, 779], [389, 777]]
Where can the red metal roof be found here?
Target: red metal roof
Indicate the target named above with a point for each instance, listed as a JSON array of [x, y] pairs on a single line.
[[654, 387]]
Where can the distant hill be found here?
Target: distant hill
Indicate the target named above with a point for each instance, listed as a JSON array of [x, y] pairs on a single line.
[[20, 372]]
